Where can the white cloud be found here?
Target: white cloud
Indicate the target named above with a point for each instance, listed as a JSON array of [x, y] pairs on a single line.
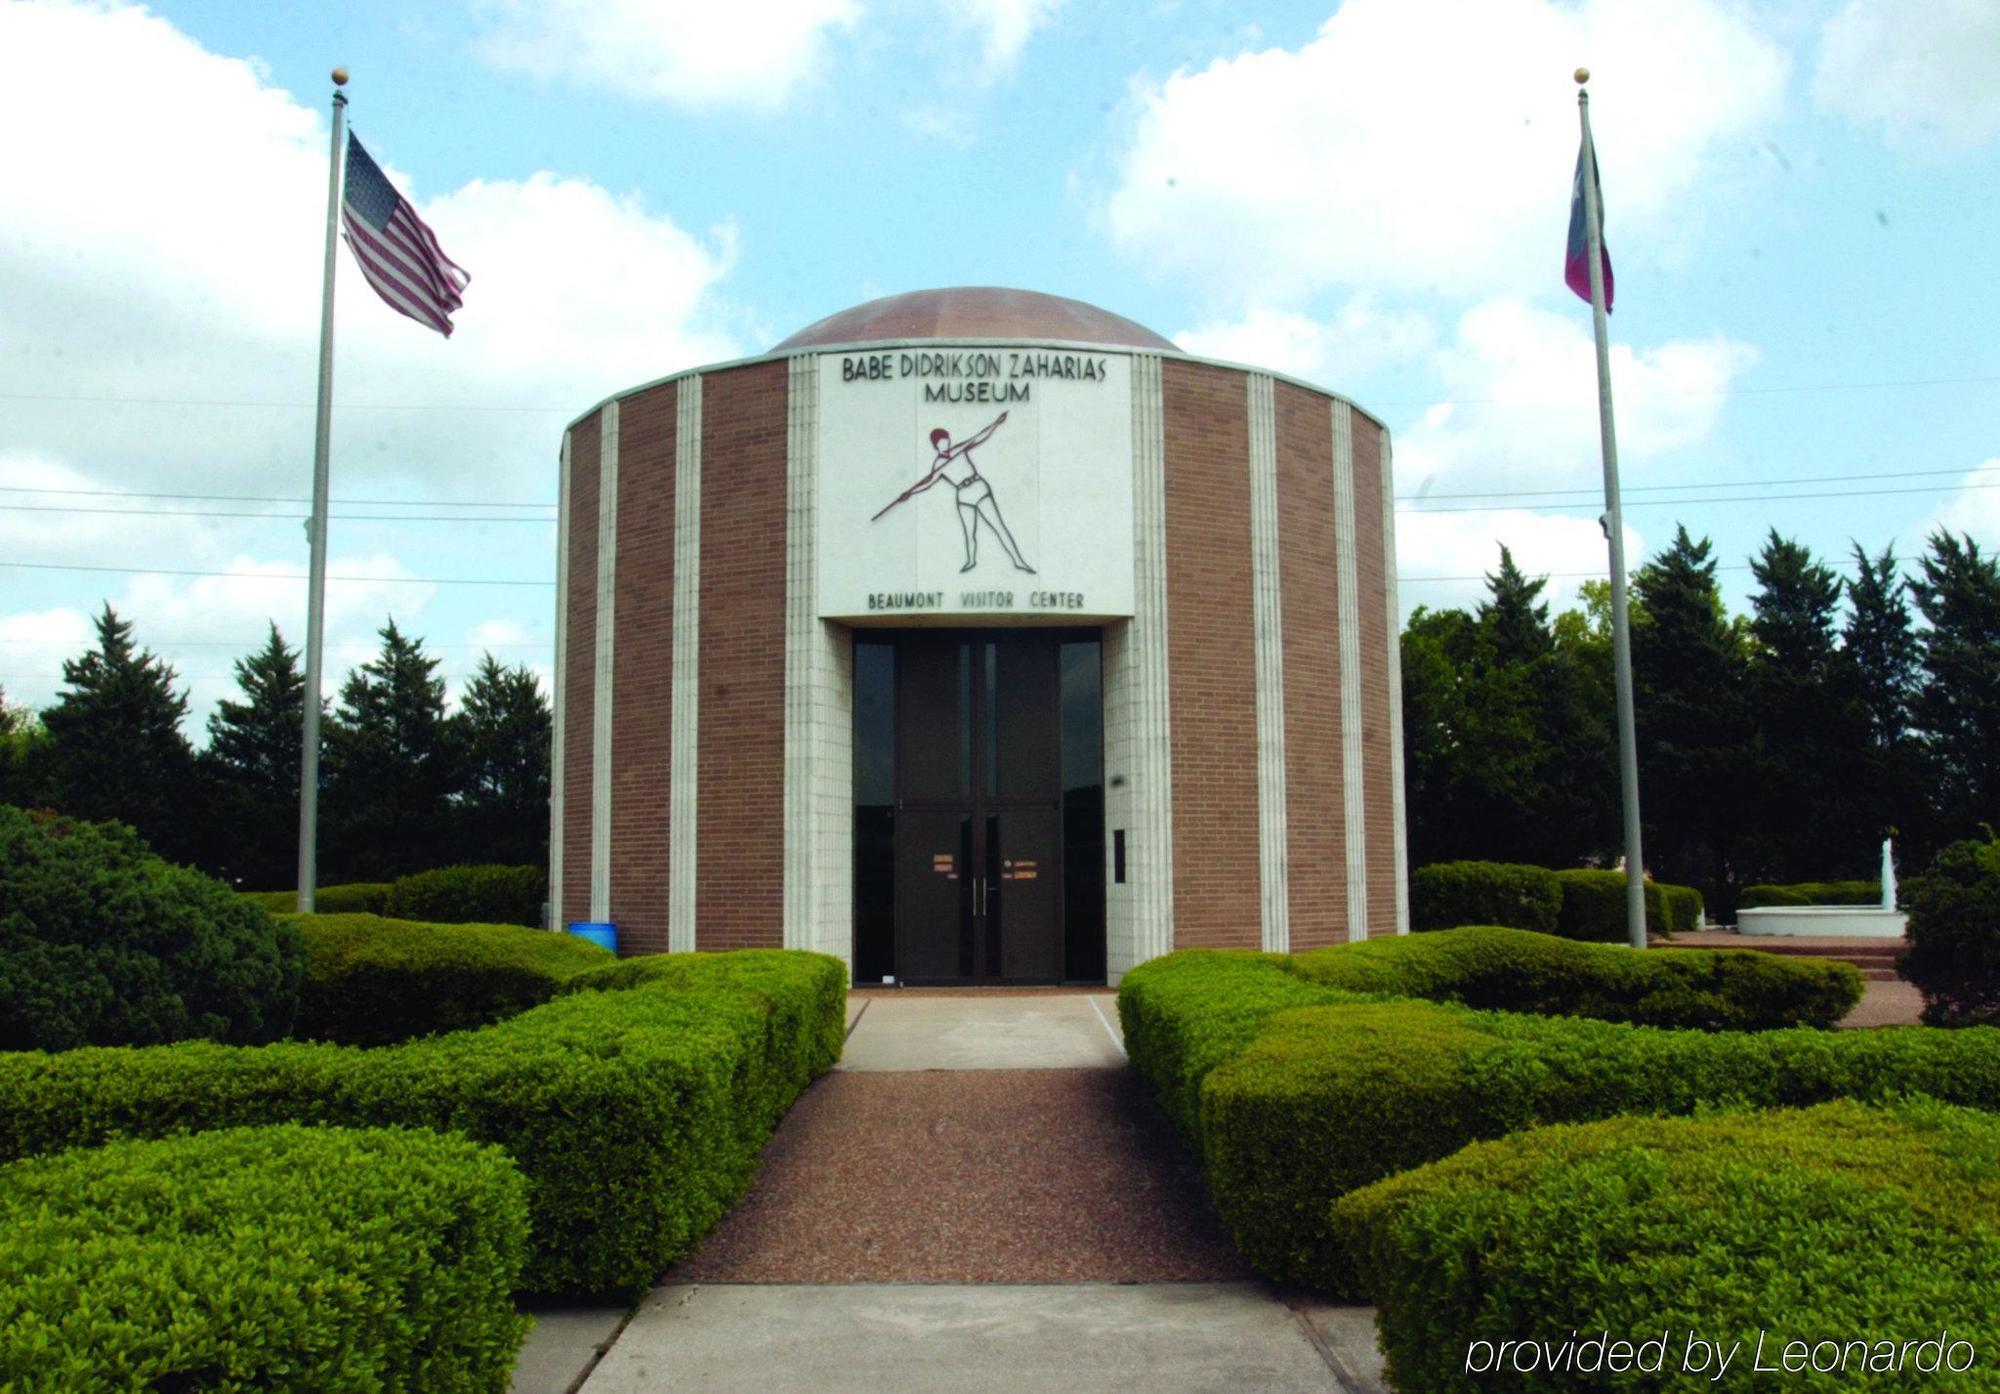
[[1522, 408], [1276, 172], [1003, 26], [1442, 559], [1928, 74], [746, 53], [1357, 339], [104, 299], [1974, 508]]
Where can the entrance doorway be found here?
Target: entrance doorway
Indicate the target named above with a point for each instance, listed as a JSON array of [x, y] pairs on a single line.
[[979, 807]]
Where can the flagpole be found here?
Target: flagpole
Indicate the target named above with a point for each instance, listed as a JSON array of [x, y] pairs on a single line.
[[1614, 531], [316, 529]]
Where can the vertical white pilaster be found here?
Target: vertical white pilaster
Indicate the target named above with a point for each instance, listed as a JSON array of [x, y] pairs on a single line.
[[1269, 662], [607, 627], [683, 752], [1395, 657], [559, 700], [1354, 799], [1138, 755], [819, 705]]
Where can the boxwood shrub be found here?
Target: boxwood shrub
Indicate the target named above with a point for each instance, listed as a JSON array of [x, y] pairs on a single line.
[[1811, 893], [1593, 906], [1954, 929], [470, 895], [354, 898], [1187, 1012], [103, 943], [1327, 1099], [281, 1258], [636, 1115], [1445, 895], [1836, 1223], [375, 981]]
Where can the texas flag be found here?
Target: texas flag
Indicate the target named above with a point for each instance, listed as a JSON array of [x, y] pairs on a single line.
[[1576, 269]]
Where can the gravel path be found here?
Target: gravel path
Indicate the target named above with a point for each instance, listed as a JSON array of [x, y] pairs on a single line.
[[999, 1176]]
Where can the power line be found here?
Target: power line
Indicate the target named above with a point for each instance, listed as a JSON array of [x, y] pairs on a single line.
[[261, 498], [1772, 390], [1402, 580], [279, 517], [1678, 503], [1701, 484], [274, 406], [270, 576]]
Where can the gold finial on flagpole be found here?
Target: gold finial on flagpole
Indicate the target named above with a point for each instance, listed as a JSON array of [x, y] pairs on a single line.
[[340, 77], [1582, 76]]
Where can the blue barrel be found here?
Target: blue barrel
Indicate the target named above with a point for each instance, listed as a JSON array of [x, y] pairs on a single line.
[[602, 934]]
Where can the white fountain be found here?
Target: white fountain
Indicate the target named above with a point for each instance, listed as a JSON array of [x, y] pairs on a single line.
[[1833, 921]]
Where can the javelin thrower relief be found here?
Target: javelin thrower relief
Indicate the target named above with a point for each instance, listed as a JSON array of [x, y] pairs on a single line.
[[976, 504]]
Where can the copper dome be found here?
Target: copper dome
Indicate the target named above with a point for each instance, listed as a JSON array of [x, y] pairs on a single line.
[[975, 312]]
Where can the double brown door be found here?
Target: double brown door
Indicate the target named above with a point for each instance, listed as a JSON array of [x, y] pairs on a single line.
[[978, 820]]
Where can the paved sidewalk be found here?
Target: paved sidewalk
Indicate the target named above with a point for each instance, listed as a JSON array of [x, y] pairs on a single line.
[[980, 1198]]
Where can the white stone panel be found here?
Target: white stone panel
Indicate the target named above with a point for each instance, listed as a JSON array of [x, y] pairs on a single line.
[[607, 630], [1022, 508], [560, 703], [1267, 622], [1138, 763], [1354, 799], [683, 753]]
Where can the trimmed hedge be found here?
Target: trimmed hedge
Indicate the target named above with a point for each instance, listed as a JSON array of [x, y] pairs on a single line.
[[470, 895], [1328, 1099], [1811, 893], [1593, 907], [104, 943], [1445, 895], [283, 1258], [1954, 929], [1296, 1079], [375, 981], [636, 1115], [1832, 1224], [355, 898]]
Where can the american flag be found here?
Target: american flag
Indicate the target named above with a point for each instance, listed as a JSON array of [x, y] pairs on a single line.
[[399, 256]]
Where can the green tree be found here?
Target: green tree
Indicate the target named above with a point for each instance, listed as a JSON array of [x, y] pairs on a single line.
[[503, 730], [1693, 721], [390, 767], [1957, 706], [1515, 617], [252, 768], [1882, 651], [1810, 728], [114, 747], [22, 740]]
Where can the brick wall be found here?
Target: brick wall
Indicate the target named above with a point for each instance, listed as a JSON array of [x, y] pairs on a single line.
[[740, 855], [643, 670], [1315, 852], [579, 668], [1376, 637], [1211, 658]]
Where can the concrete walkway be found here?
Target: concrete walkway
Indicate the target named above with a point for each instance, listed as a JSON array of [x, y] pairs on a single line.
[[980, 1198]]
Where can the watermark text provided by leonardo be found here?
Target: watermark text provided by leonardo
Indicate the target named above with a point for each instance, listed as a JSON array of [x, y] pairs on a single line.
[[1692, 1353]]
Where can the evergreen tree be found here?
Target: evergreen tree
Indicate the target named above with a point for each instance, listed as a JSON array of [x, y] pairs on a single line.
[[390, 767], [1957, 706], [1516, 618], [114, 744], [1810, 726], [1882, 651], [1693, 720], [504, 729], [252, 765]]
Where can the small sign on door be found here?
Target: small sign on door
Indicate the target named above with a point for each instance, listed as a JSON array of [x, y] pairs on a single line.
[[944, 864], [1020, 869]]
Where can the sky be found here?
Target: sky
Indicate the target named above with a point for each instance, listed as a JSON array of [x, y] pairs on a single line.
[[1800, 205]]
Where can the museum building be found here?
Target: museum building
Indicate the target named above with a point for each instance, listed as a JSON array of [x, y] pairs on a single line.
[[977, 636]]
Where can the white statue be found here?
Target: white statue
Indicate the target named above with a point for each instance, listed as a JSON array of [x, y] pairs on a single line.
[[1888, 876]]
